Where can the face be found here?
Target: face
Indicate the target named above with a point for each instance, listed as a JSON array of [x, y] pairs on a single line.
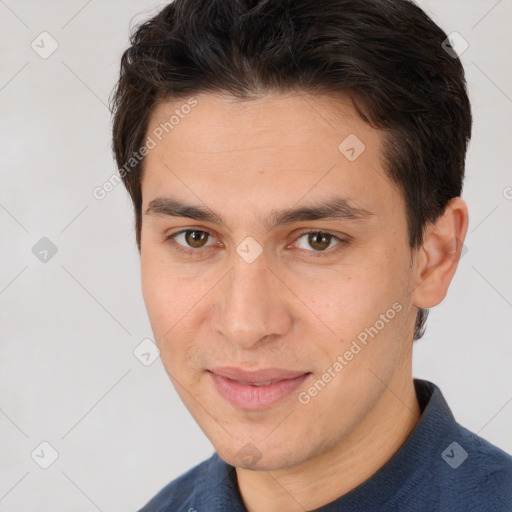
[[276, 271]]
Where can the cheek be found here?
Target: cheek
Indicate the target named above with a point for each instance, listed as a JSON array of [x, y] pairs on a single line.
[[174, 309], [163, 283], [367, 304], [154, 291], [345, 299], [163, 295]]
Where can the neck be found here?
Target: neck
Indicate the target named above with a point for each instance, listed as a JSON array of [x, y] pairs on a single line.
[[325, 478]]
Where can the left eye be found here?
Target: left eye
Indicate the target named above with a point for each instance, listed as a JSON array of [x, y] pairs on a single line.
[[319, 240]]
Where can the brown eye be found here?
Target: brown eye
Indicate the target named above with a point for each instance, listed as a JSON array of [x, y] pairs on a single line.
[[317, 240], [190, 240], [196, 239]]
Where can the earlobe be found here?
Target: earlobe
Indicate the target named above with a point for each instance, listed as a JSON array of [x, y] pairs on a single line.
[[440, 253]]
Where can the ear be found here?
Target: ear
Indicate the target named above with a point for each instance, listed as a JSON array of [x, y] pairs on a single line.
[[439, 255]]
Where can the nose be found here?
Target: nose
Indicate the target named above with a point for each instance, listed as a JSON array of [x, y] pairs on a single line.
[[251, 308]]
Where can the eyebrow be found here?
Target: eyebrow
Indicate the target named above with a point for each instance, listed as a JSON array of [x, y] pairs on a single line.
[[333, 209]]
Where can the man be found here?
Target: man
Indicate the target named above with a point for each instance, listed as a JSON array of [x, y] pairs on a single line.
[[296, 170]]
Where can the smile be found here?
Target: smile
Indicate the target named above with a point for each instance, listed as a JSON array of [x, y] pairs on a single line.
[[256, 390]]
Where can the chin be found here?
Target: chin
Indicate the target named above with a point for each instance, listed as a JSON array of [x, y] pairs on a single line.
[[251, 457]]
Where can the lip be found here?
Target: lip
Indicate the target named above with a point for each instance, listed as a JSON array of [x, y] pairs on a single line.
[[237, 386]]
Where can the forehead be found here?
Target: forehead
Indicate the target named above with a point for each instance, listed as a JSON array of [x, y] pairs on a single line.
[[279, 120], [279, 147]]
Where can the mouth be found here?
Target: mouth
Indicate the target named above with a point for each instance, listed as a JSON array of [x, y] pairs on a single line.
[[256, 390]]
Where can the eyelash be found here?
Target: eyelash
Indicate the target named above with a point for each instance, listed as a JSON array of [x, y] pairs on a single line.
[[328, 252]]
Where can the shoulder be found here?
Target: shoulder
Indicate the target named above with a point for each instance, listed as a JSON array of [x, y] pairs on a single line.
[[473, 474], [183, 493], [489, 473], [456, 469]]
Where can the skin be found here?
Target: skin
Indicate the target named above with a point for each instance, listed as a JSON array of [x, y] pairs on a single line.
[[289, 308]]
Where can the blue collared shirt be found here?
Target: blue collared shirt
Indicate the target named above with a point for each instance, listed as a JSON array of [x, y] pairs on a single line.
[[441, 467]]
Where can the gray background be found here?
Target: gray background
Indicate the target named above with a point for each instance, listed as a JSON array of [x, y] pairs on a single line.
[[69, 325]]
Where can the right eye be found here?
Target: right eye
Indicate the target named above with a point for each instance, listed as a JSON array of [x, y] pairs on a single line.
[[189, 241]]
